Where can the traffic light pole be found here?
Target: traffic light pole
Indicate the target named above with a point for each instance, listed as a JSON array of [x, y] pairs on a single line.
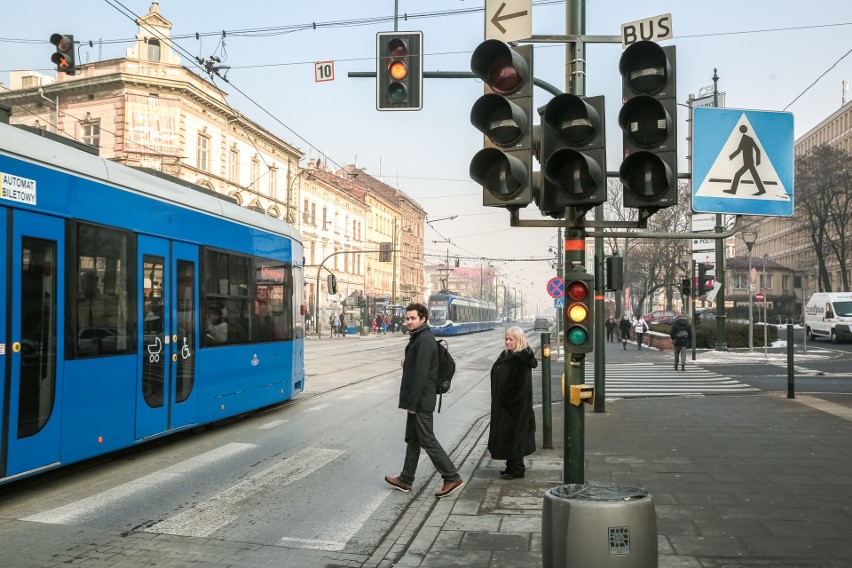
[[573, 470]]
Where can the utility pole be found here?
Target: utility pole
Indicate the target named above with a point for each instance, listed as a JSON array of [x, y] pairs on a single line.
[[575, 255], [721, 340]]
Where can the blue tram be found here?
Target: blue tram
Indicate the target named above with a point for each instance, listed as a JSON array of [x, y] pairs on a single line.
[[450, 314], [135, 306]]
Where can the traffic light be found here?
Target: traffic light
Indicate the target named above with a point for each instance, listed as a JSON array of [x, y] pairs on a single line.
[[399, 70], [579, 302], [332, 284], [385, 252], [648, 118], [614, 273], [64, 56], [685, 287], [705, 278], [573, 153], [504, 115]]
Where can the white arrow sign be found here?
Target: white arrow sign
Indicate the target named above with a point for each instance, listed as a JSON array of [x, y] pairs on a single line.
[[508, 20]]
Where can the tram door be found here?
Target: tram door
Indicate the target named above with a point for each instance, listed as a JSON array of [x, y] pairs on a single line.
[[167, 393], [32, 347]]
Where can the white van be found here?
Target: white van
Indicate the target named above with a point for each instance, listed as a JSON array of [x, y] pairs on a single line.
[[829, 314]]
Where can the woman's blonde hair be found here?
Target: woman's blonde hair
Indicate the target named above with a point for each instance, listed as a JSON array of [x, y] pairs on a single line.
[[520, 338]]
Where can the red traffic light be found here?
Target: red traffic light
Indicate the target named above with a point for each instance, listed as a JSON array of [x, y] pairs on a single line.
[[577, 291], [64, 57], [502, 68]]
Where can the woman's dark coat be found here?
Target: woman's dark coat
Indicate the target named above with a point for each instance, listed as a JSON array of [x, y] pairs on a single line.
[[624, 327], [512, 433]]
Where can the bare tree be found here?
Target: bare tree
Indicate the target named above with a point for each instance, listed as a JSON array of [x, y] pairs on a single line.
[[824, 208], [651, 264]]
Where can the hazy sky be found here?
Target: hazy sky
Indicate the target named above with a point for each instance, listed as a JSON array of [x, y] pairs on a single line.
[[767, 54]]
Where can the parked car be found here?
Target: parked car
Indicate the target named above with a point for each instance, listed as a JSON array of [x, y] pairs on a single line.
[[542, 324], [660, 316], [706, 314]]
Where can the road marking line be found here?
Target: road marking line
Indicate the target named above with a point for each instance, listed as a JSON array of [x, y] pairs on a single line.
[[317, 407], [271, 425], [344, 528], [80, 510], [205, 518]]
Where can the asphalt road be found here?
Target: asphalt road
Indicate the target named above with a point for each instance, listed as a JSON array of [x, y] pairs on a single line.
[[307, 475]]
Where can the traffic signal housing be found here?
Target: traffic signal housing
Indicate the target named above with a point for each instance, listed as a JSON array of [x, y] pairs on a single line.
[[706, 277], [332, 284], [648, 120], [385, 250], [685, 287], [504, 114], [579, 305], [64, 58], [399, 71], [573, 154]]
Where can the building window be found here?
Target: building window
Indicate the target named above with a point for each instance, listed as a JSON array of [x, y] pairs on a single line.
[[202, 155], [234, 166], [324, 218], [154, 50], [306, 214], [273, 182], [90, 133], [254, 171], [314, 214]]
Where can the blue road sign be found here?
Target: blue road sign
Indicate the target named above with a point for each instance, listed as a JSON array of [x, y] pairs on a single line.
[[559, 303], [742, 162], [556, 287]]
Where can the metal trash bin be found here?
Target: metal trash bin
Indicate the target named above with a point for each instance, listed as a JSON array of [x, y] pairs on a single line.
[[594, 526]]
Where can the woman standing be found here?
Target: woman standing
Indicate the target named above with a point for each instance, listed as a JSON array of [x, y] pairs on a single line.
[[512, 432], [624, 327]]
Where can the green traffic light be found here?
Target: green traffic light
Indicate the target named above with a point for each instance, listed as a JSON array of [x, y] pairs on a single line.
[[397, 92], [577, 336]]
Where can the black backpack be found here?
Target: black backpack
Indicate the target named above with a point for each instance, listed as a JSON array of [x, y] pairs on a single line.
[[681, 337], [446, 369]]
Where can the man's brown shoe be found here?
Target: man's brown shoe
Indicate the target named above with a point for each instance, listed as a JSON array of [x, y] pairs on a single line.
[[449, 487], [397, 484]]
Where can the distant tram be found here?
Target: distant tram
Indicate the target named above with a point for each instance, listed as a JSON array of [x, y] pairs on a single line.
[[135, 306], [450, 314]]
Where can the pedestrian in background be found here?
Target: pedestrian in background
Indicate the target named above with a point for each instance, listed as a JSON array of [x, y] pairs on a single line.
[[640, 327], [512, 432], [342, 328], [418, 395], [333, 322], [681, 334], [624, 327], [610, 329]]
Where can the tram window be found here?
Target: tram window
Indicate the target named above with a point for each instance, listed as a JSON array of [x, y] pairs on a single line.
[[273, 313], [102, 302], [227, 301], [38, 335]]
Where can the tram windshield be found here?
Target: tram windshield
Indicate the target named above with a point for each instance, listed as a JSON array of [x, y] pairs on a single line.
[[438, 313]]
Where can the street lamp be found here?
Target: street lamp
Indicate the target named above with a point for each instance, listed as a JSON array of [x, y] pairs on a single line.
[[290, 218], [750, 237]]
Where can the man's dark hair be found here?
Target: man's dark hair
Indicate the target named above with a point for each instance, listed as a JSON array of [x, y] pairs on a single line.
[[422, 311]]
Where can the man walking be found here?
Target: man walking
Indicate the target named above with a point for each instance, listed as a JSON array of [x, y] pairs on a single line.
[[681, 334], [418, 394]]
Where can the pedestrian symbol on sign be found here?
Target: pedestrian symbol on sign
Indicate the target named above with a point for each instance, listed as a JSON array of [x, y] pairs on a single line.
[[751, 158], [743, 162]]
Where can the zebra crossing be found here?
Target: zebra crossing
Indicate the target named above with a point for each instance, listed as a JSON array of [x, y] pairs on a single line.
[[625, 380]]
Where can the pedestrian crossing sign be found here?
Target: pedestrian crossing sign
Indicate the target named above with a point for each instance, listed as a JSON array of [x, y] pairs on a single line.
[[742, 162]]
